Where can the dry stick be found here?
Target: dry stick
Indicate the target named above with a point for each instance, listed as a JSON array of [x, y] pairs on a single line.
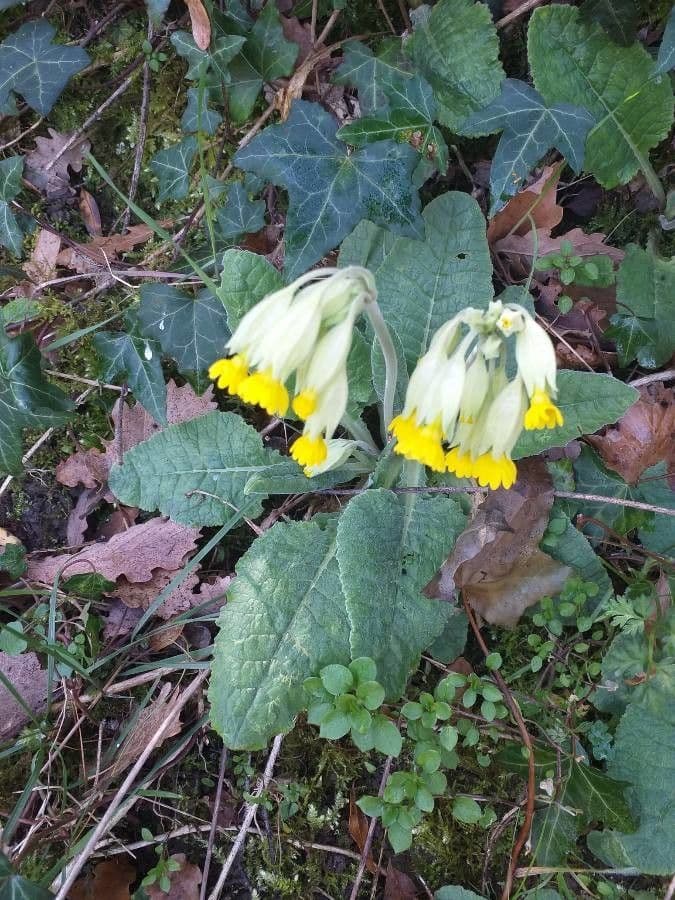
[[671, 890], [524, 832], [248, 818], [142, 134], [214, 823], [126, 786], [526, 7], [365, 852], [668, 375], [384, 12]]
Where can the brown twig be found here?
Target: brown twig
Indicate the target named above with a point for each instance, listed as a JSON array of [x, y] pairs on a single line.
[[517, 13], [214, 823], [510, 700], [142, 134], [368, 843]]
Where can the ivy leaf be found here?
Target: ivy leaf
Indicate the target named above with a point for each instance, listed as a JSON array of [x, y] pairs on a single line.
[[422, 284], [193, 119], [30, 65], [646, 287], [211, 64], [156, 10], [587, 401], [192, 330], [137, 360], [644, 755], [329, 190], [240, 215], [389, 547], [285, 619], [172, 168], [457, 50], [11, 235], [12, 886], [619, 18], [554, 834], [196, 471], [26, 399], [372, 75], [666, 58], [266, 55], [575, 62], [246, 278], [530, 129]]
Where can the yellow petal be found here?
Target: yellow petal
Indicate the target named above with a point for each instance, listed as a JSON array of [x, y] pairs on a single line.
[[309, 451], [262, 389], [420, 443], [229, 373], [304, 404], [542, 413]]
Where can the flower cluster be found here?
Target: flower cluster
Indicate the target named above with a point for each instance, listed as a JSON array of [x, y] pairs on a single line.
[[300, 337], [462, 414]]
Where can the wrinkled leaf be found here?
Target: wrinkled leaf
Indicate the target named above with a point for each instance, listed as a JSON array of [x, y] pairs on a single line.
[[246, 279], [619, 18]]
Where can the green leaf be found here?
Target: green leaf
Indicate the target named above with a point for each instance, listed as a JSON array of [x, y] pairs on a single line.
[[454, 892], [457, 50], [666, 58], [132, 358], [400, 837], [372, 74], [11, 235], [196, 471], [619, 18], [239, 215], [156, 10], [26, 399], [389, 547], [16, 887], [626, 659], [284, 620], [172, 168], [371, 806], [644, 755], [371, 694], [335, 725], [645, 287], [363, 668], [32, 66], [587, 401], [13, 560], [330, 190], [266, 55], [387, 738], [422, 284], [11, 170], [554, 834], [246, 279], [211, 64], [451, 641], [575, 62], [573, 549], [336, 679], [530, 128], [466, 810], [196, 119], [192, 330], [599, 797]]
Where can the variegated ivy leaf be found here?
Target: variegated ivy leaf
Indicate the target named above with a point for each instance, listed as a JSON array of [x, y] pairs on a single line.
[[530, 129], [330, 190], [34, 67]]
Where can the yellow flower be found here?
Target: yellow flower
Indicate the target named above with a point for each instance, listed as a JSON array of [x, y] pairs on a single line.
[[309, 451], [495, 471], [304, 404], [338, 450], [461, 464], [229, 373], [263, 389], [542, 412], [420, 443]]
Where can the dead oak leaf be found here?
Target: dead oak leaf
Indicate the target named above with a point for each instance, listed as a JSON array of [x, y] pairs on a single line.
[[29, 680], [398, 885], [49, 177], [184, 883], [183, 598], [110, 879], [496, 562], [536, 202], [100, 251], [135, 553], [644, 436], [582, 245]]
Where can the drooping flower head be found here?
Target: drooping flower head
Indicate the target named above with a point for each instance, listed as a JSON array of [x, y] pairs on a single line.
[[459, 395]]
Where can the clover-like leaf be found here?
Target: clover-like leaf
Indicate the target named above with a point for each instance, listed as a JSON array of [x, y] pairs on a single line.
[[530, 129], [330, 190], [32, 66], [26, 399], [457, 50], [575, 62], [137, 360], [192, 330], [172, 168], [239, 214]]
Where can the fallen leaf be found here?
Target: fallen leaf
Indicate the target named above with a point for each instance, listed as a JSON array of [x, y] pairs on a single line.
[[642, 437], [90, 213], [537, 200], [110, 879], [141, 595], [49, 177], [583, 245], [496, 562], [145, 728], [301, 34], [41, 266], [200, 24], [358, 830], [119, 620], [101, 251], [77, 520], [133, 424], [184, 883], [29, 680], [135, 553], [398, 885]]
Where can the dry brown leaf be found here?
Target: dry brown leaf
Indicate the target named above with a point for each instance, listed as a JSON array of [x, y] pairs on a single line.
[[135, 553], [101, 251], [538, 200], [642, 437], [398, 885], [141, 596], [583, 245], [53, 178], [496, 562], [90, 213], [77, 520], [109, 879], [119, 620], [358, 829], [41, 266], [200, 24], [184, 883], [7, 538], [29, 680], [145, 729], [301, 34]]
